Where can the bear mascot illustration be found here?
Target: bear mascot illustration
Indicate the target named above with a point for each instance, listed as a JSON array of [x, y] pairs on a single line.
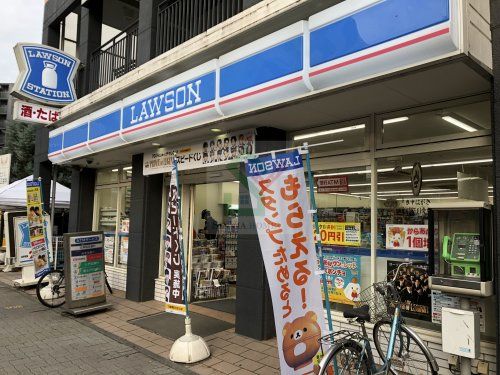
[[300, 343], [352, 290]]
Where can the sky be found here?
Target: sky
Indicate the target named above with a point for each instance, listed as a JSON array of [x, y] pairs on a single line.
[[20, 21]]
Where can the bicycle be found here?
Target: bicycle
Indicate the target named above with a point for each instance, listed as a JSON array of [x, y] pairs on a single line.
[[399, 348]]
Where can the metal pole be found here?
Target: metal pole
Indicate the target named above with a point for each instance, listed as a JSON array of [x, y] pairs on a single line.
[[317, 238], [373, 221]]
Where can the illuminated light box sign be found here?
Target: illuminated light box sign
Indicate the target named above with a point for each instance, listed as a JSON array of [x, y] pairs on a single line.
[[46, 74], [29, 112], [348, 42]]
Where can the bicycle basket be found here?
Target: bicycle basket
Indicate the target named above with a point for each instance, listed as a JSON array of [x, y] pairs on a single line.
[[380, 300]]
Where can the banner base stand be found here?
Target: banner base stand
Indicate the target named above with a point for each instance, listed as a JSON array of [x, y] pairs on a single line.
[[27, 278], [189, 348], [87, 309]]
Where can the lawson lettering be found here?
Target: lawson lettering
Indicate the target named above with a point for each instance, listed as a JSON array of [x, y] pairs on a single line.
[[171, 100], [261, 166]]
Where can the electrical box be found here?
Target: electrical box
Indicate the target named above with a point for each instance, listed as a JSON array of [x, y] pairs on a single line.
[[461, 332]]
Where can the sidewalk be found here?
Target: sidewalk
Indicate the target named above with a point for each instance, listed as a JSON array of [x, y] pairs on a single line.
[[231, 353]]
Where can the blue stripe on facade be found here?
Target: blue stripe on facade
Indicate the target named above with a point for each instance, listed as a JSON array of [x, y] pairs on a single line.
[[378, 24], [75, 136], [170, 101], [276, 62], [105, 125], [382, 253], [55, 143]]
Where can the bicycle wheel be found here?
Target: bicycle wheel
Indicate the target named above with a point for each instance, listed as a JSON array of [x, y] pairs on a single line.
[[51, 289], [346, 358], [410, 356]]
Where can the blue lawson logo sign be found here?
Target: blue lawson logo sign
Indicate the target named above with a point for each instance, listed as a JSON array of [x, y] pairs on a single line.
[[46, 74]]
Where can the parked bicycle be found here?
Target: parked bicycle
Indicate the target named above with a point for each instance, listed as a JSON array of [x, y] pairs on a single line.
[[399, 349]]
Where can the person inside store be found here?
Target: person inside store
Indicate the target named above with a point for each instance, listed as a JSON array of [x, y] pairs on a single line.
[[210, 225]]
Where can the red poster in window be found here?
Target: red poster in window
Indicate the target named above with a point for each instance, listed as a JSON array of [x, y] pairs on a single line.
[[332, 184]]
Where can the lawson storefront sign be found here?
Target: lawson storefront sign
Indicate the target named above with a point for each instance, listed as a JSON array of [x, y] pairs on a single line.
[[346, 43], [46, 74]]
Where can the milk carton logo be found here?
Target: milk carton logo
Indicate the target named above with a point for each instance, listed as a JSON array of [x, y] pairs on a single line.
[[46, 74]]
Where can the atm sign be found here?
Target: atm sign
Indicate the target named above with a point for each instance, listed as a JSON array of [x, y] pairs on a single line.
[[332, 184]]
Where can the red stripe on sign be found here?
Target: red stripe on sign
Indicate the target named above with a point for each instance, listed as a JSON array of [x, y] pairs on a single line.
[[55, 153], [75, 148], [210, 106], [104, 139], [261, 90], [382, 51]]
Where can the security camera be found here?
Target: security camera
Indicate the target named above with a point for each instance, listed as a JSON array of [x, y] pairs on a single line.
[[89, 161]]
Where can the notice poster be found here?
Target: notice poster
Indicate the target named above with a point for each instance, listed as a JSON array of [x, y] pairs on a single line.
[[224, 149], [412, 283], [406, 236], [343, 274], [332, 184], [340, 234], [109, 248], [22, 239], [39, 246], [174, 288], [440, 300], [5, 162], [87, 267], [281, 210]]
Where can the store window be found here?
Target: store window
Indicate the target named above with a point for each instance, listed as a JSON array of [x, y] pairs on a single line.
[[441, 122], [452, 180], [112, 210]]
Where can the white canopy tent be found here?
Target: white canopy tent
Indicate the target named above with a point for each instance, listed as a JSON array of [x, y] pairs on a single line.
[[14, 195]]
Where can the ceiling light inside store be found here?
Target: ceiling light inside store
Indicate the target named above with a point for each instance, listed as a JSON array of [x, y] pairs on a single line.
[[114, 170], [127, 168], [411, 194], [216, 130], [156, 144], [394, 120], [460, 124], [406, 182], [328, 132]]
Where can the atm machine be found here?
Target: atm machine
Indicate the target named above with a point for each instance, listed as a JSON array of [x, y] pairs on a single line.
[[460, 233]]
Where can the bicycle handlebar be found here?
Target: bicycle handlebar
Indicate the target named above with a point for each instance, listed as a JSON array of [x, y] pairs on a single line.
[[397, 270]]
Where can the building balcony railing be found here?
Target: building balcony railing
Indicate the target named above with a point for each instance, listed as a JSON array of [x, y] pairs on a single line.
[[181, 20], [114, 58]]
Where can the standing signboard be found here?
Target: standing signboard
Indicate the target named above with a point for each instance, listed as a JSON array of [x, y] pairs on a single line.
[[5, 163], [39, 245], [84, 270], [174, 293], [282, 215]]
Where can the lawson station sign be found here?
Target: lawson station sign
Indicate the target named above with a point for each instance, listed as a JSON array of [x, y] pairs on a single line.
[[46, 74]]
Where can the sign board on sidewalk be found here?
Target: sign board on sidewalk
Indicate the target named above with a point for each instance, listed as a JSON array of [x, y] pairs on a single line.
[[332, 184], [45, 74], [5, 163], [40, 114], [224, 149], [22, 244], [84, 270]]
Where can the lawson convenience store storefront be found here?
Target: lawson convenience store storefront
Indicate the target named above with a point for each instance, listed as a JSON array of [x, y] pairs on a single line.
[[373, 90]]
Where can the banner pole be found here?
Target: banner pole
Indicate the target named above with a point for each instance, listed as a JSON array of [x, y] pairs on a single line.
[[317, 239], [179, 208]]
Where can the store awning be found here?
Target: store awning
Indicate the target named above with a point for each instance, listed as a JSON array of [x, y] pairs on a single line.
[[14, 195]]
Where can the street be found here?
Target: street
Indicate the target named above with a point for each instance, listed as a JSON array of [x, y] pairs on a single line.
[[36, 340]]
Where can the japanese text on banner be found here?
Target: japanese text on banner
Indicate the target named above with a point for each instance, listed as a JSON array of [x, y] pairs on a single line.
[[281, 209], [174, 295]]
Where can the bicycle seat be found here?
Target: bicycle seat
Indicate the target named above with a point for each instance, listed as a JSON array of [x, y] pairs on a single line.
[[359, 313]]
